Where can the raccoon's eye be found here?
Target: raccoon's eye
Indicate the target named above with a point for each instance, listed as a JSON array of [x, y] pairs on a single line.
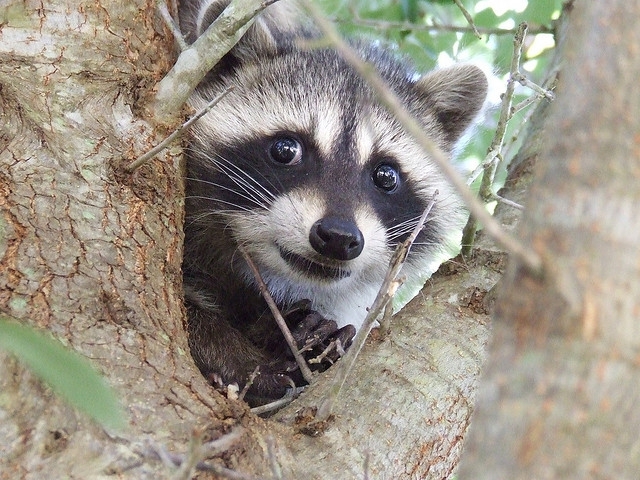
[[286, 150], [386, 177]]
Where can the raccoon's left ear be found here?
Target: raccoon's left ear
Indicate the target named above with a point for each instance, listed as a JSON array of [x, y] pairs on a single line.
[[454, 96]]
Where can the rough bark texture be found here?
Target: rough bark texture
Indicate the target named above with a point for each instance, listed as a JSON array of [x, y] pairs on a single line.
[[559, 397], [416, 387], [86, 252], [93, 255]]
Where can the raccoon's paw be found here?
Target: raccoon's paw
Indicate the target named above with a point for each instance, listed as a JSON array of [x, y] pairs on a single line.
[[268, 382], [319, 339], [271, 382]]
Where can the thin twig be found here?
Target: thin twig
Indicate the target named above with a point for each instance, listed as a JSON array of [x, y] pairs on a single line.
[[385, 322], [506, 201], [390, 100], [334, 345], [209, 449], [190, 461], [524, 81], [252, 378], [200, 57], [468, 17], [171, 24], [355, 19], [162, 145], [495, 148], [490, 163], [275, 405], [388, 289], [304, 368], [527, 102]]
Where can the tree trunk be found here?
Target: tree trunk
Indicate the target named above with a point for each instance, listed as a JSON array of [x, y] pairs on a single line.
[[87, 252], [93, 254], [559, 396]]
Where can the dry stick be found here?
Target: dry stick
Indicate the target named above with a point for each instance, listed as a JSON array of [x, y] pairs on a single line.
[[209, 449], [171, 24], [304, 368], [273, 460], [194, 456], [385, 321], [495, 149], [388, 25], [506, 201], [527, 102], [199, 58], [390, 100], [498, 141], [469, 18], [275, 405], [162, 145], [525, 82], [252, 378], [388, 289]]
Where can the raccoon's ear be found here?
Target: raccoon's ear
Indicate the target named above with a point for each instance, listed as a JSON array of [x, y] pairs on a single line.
[[454, 96]]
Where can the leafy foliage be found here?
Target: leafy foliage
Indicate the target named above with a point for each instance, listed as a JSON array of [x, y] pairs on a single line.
[[436, 32]]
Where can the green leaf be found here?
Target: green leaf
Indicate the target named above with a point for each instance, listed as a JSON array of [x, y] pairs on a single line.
[[541, 11], [486, 18], [67, 373], [410, 10]]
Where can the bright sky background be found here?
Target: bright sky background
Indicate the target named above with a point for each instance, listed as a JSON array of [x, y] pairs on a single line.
[[500, 7]]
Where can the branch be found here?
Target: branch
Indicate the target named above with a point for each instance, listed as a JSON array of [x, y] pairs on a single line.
[[525, 82], [191, 462], [389, 25], [171, 24], [199, 58], [388, 289], [468, 17], [142, 159], [304, 368], [494, 156], [390, 100]]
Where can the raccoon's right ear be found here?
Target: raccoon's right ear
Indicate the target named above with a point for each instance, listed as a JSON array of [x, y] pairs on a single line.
[[263, 37], [453, 97]]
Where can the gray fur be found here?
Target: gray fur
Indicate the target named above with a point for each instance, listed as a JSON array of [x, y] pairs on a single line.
[[236, 194]]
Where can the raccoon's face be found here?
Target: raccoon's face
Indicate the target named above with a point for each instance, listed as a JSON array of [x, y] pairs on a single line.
[[302, 167]]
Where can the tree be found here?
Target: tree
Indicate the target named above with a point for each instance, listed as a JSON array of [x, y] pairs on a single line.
[[92, 254], [559, 388]]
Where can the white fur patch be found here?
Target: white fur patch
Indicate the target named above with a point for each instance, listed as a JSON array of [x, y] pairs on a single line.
[[365, 138], [286, 225]]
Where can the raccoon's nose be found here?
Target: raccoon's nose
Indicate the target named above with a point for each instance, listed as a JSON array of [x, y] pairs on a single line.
[[336, 238]]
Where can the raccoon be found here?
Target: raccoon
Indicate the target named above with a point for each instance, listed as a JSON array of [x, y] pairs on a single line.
[[304, 169]]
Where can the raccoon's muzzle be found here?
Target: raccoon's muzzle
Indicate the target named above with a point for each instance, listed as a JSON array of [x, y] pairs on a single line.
[[336, 238]]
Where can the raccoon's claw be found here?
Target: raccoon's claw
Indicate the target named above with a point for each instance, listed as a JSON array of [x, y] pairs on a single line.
[[313, 331], [343, 339], [318, 339]]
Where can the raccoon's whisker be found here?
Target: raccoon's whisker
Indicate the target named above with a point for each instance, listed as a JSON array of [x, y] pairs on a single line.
[[245, 182], [228, 166], [403, 227], [221, 217], [220, 201], [406, 225], [427, 243], [248, 196]]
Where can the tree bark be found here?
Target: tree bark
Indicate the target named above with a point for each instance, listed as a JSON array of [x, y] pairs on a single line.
[[88, 253], [559, 396], [92, 254]]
